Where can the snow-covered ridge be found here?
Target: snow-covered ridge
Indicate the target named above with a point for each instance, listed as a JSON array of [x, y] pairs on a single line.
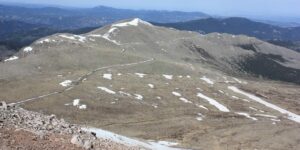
[[115, 27], [134, 22]]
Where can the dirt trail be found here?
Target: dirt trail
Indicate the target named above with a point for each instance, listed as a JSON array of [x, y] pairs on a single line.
[[80, 79]]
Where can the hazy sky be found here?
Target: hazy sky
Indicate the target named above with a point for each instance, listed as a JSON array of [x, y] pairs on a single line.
[[272, 8]]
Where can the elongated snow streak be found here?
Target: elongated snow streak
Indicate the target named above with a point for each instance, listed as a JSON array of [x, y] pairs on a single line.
[[11, 58], [106, 90], [246, 115], [176, 94], [81, 79], [214, 103], [290, 115], [130, 141], [169, 77], [207, 80], [141, 75]]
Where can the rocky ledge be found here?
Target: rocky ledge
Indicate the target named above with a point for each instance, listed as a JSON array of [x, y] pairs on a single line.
[[16, 122]]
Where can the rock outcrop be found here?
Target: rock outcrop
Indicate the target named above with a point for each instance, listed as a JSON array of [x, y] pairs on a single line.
[[16, 119]]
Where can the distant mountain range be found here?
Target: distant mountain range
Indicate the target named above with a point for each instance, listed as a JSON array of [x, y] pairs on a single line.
[[21, 25], [16, 34], [238, 26], [71, 18]]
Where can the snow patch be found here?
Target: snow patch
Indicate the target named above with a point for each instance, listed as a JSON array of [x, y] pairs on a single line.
[[151, 86], [201, 106], [169, 77], [129, 141], [113, 41], [66, 83], [214, 103], [11, 58], [138, 97], [290, 115], [95, 35], [176, 94], [74, 37], [27, 49], [207, 80], [166, 143], [80, 38], [185, 100], [141, 75], [68, 37], [107, 76], [154, 105], [276, 120], [106, 90], [234, 97], [253, 108], [125, 93], [82, 107], [76, 102], [200, 117], [134, 22], [246, 115], [237, 80], [44, 41], [108, 35]]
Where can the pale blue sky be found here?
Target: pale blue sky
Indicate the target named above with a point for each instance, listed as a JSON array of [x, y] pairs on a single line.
[[271, 8]]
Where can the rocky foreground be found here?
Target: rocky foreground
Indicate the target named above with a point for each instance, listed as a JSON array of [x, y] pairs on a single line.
[[22, 129]]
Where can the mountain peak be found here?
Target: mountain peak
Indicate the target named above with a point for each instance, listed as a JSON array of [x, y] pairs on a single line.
[[134, 22]]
